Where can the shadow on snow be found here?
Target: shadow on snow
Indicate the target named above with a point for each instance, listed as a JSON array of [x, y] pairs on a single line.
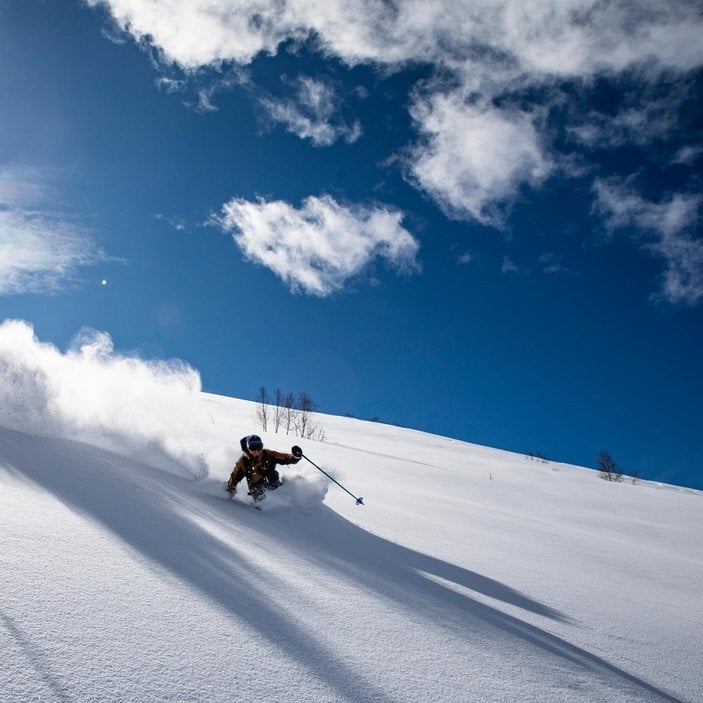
[[136, 502]]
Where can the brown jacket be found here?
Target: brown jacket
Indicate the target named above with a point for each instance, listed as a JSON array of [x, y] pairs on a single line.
[[255, 467]]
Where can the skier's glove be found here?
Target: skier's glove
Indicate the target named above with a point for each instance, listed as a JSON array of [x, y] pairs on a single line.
[[296, 451]]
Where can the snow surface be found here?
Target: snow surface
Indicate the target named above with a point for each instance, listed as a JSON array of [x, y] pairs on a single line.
[[470, 574]]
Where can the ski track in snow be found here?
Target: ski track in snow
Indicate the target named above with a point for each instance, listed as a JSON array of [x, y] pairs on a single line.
[[470, 574]]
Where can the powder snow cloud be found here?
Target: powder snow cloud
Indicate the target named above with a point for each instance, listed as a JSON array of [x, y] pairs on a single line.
[[92, 394], [316, 248]]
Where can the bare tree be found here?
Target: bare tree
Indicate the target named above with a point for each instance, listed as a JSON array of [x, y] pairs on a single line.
[[304, 406], [288, 411], [292, 413], [306, 426], [279, 405], [316, 432], [609, 470], [262, 409]]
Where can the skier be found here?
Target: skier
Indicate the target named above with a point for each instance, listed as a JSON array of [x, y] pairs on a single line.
[[258, 465]]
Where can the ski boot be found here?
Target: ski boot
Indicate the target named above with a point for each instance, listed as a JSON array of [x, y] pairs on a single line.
[[257, 493]]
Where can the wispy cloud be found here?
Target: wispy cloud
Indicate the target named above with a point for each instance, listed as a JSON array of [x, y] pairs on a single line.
[[665, 229], [509, 266], [318, 247], [200, 87], [550, 262], [178, 223], [644, 111], [41, 248], [465, 258], [688, 154], [312, 113]]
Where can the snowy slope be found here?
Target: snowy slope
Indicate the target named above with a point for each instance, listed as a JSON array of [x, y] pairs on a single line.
[[470, 574]]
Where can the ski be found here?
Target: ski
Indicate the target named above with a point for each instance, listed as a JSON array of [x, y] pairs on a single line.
[[245, 504]]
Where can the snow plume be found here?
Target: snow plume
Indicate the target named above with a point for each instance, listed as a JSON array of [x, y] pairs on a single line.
[[303, 489], [91, 394]]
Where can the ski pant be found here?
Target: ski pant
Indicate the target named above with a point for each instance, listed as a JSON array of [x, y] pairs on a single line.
[[270, 477]]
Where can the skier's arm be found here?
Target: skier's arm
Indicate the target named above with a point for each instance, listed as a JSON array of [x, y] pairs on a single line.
[[239, 471], [283, 458]]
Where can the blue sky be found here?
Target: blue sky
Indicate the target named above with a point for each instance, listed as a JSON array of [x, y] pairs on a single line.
[[478, 219]]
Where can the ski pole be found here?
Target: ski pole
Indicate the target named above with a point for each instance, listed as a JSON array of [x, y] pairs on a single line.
[[359, 501]]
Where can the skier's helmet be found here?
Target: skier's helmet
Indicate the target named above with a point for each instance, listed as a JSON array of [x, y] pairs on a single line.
[[254, 443]]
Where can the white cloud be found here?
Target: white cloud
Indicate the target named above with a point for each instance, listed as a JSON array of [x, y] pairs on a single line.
[[477, 149], [474, 159], [312, 113], [40, 248], [320, 246], [564, 37], [665, 229], [195, 33], [581, 37]]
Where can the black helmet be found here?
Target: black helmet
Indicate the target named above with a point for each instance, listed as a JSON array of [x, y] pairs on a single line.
[[253, 442]]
